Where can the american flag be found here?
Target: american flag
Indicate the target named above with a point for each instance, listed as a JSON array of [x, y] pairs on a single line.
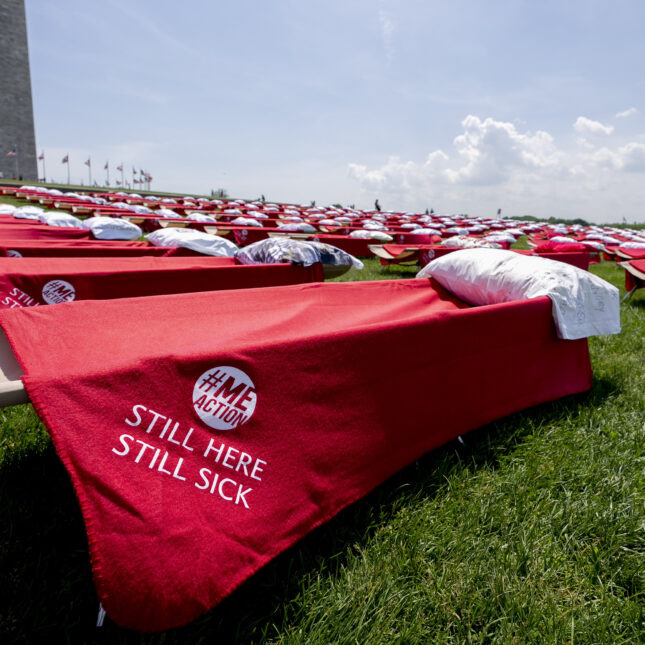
[[88, 162], [65, 159], [120, 168], [107, 163], [11, 153], [41, 156]]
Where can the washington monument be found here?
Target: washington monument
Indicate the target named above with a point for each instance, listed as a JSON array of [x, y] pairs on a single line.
[[17, 138]]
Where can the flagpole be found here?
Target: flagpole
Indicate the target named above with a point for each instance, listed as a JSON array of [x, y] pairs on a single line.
[[44, 170], [16, 161], [68, 168], [89, 169]]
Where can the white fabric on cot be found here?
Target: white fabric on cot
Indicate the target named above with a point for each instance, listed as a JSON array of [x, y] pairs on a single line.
[[582, 304], [197, 241], [112, 228]]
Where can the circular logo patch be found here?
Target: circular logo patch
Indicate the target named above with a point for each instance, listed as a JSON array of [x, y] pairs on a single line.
[[224, 397], [12, 253], [57, 291]]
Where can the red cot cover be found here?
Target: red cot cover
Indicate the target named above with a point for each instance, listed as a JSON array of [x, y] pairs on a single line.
[[87, 248], [634, 281], [38, 231], [241, 420], [29, 282]]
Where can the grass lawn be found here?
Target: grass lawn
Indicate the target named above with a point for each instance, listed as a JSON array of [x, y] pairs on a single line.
[[533, 531]]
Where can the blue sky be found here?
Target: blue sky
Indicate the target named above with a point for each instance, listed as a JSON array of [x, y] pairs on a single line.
[[533, 107]]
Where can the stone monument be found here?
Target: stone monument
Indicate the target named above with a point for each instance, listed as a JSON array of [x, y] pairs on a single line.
[[17, 138]]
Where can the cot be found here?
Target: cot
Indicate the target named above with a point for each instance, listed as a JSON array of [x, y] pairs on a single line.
[[237, 421], [634, 276]]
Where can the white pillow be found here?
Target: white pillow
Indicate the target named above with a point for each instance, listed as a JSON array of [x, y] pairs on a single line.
[[583, 304], [201, 217], [57, 218], [465, 242], [112, 228], [245, 221], [379, 236], [297, 227], [425, 231], [28, 212], [204, 243]]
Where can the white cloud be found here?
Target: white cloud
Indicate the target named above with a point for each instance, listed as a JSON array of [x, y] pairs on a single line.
[[493, 164], [628, 112], [587, 126], [388, 28], [490, 151], [632, 157]]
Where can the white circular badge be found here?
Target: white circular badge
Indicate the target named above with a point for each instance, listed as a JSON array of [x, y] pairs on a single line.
[[224, 397], [57, 291], [12, 253]]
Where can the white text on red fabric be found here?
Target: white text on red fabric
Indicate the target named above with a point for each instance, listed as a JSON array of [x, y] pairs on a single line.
[[180, 461]]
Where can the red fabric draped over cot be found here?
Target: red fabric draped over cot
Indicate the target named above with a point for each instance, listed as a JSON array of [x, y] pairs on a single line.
[[37, 231], [211, 436], [28, 282], [87, 248], [634, 280]]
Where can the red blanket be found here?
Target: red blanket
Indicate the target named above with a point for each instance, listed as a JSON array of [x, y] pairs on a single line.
[[29, 282], [240, 420], [87, 248], [634, 281], [38, 231]]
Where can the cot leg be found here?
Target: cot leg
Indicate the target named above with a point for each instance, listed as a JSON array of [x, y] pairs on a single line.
[[629, 294]]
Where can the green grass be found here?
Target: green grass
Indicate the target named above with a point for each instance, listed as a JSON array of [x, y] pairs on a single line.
[[531, 532]]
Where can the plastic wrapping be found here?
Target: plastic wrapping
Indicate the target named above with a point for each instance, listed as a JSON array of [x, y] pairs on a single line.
[[275, 250]]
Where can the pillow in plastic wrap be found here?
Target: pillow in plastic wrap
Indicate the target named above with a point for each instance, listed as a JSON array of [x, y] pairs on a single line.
[[297, 227], [425, 231], [379, 236], [274, 250], [167, 213], [7, 209], [464, 242], [500, 236], [372, 225], [582, 304], [197, 241], [245, 221], [201, 217], [56, 218], [562, 239], [112, 228]]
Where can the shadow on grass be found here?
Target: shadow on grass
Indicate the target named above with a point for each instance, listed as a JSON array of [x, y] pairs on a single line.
[[45, 580], [637, 303]]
